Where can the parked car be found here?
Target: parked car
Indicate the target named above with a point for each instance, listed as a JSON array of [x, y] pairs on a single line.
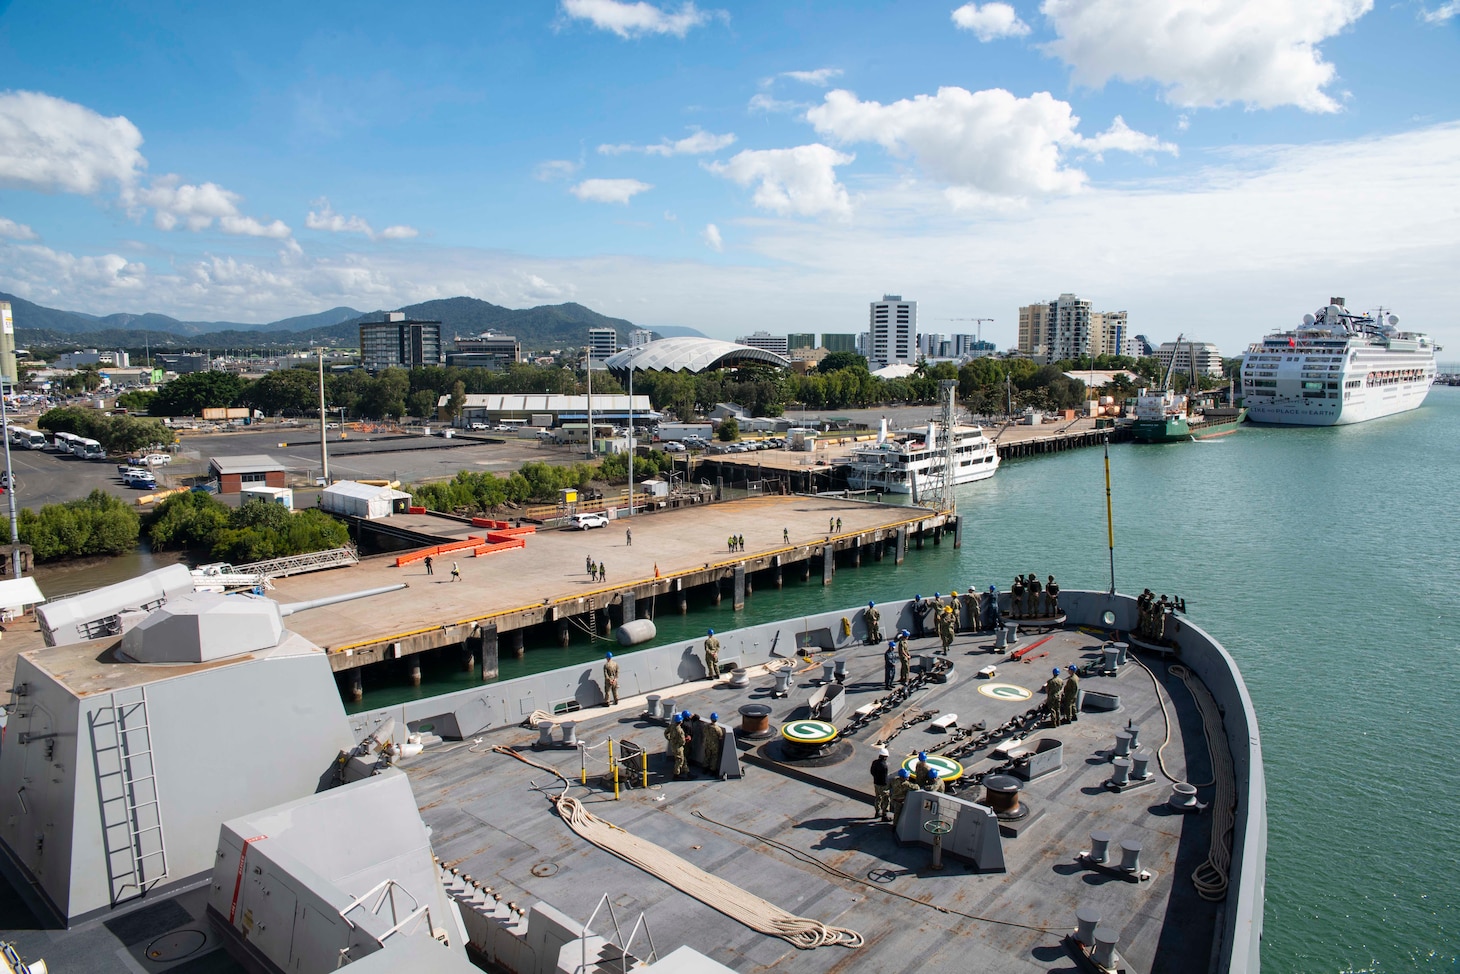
[[673, 447], [478, 426], [585, 521], [157, 459]]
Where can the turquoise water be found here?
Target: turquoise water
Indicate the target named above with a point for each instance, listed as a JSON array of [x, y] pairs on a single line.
[[1328, 563]]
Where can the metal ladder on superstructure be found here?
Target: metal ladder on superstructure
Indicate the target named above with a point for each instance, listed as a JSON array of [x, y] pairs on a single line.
[[131, 806]]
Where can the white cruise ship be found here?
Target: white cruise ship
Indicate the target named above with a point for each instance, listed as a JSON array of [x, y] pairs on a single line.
[[914, 461], [1337, 368]]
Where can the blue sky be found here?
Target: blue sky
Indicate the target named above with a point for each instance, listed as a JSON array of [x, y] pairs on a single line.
[[1213, 167]]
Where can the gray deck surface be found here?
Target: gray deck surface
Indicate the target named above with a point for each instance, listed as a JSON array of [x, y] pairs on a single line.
[[488, 820]]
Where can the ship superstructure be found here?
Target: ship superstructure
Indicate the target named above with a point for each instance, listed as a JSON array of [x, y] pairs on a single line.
[[1337, 368]]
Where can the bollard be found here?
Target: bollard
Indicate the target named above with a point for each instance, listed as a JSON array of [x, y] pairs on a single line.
[[1013, 630], [1099, 849], [1112, 658], [1121, 651], [1105, 941], [828, 671], [1140, 765], [783, 683], [841, 670], [1122, 744], [666, 707], [1135, 735], [653, 701], [1183, 796], [544, 733], [1120, 777], [739, 678], [1130, 855], [570, 733], [1087, 918], [1001, 638]]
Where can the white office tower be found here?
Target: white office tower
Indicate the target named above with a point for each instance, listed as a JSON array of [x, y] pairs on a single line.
[[893, 332]]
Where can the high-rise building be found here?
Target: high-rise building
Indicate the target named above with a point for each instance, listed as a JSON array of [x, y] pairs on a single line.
[[1108, 333], [8, 371], [800, 339], [640, 336], [602, 342], [892, 332], [839, 341], [972, 345], [1067, 331], [1139, 346], [399, 342], [486, 351], [934, 345], [1208, 358], [1032, 321], [765, 340]]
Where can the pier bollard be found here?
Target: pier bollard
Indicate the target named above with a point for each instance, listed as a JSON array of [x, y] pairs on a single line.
[[544, 733], [1140, 765], [1099, 852], [1122, 650], [1104, 953], [1120, 776], [652, 701], [1122, 744], [1087, 918], [1130, 855]]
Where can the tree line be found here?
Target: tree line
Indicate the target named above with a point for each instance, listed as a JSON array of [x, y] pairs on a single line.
[[987, 386]]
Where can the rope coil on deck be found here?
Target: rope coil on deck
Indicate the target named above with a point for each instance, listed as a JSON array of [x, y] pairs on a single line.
[[1210, 878], [724, 897]]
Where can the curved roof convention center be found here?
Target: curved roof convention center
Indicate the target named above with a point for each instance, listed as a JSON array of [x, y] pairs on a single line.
[[690, 355]]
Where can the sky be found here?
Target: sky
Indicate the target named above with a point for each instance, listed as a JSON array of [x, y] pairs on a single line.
[[1215, 168]]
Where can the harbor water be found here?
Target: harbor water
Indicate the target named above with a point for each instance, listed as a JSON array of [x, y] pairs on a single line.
[[1328, 563]]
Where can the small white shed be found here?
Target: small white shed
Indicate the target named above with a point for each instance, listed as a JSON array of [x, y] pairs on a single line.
[[271, 495], [363, 500]]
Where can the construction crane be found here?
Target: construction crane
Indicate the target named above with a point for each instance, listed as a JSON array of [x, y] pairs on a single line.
[[979, 320]]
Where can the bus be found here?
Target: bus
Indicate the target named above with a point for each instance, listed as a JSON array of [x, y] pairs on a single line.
[[29, 439], [88, 449], [65, 442]]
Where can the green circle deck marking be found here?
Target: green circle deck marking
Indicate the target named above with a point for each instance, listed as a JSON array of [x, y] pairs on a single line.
[[1004, 691], [808, 732], [947, 768]]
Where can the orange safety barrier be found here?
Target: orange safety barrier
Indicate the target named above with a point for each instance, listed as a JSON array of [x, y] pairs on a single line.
[[492, 549], [415, 510], [441, 549]]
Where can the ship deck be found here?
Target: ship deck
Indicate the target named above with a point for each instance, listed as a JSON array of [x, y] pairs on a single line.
[[489, 818]]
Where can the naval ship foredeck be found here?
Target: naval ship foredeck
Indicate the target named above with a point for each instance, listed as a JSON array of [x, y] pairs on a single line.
[[797, 837]]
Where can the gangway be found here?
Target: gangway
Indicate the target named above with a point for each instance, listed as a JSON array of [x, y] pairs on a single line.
[[297, 564]]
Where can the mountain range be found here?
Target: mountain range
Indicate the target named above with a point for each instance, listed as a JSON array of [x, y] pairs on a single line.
[[542, 327]]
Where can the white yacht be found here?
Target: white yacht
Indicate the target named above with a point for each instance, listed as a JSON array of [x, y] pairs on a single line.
[[1337, 368], [913, 461]]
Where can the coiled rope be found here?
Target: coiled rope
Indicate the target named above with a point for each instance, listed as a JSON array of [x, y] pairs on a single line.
[[726, 898], [1211, 877]]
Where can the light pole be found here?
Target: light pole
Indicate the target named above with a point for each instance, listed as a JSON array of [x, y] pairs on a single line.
[[324, 451], [10, 486]]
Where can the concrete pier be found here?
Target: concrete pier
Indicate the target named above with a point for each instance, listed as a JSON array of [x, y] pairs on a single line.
[[544, 584]]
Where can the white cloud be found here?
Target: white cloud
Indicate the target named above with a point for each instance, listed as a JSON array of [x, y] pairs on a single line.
[[326, 219], [11, 230], [762, 102], [636, 19], [1122, 138], [175, 203], [800, 181], [1441, 14], [712, 238], [51, 145], [821, 77], [696, 143], [609, 190], [991, 21], [1206, 53], [988, 141], [554, 169]]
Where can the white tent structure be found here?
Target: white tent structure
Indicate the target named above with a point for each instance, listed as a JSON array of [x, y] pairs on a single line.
[[19, 594], [363, 500]]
